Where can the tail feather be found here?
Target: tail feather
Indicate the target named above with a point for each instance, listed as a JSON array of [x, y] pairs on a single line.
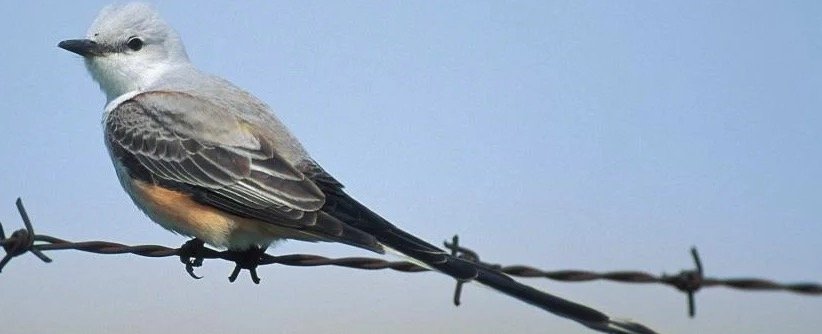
[[361, 218]]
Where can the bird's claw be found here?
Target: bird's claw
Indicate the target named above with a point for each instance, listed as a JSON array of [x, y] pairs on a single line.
[[191, 256], [193, 252], [247, 259]]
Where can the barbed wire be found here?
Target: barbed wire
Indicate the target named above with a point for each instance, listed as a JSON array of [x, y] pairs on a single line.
[[193, 252]]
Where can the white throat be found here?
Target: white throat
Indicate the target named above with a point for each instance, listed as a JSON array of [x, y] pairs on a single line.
[[117, 75]]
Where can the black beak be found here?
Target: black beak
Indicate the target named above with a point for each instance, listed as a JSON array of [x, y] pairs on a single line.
[[83, 47]]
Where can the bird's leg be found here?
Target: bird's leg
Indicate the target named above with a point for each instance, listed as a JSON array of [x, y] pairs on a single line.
[[191, 255], [247, 259]]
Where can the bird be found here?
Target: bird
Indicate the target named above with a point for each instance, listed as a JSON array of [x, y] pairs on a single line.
[[203, 158]]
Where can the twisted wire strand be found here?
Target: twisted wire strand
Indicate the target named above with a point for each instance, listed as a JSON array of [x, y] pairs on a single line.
[[687, 281]]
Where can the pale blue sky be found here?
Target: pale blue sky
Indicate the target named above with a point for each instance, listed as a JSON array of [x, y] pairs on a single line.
[[561, 134]]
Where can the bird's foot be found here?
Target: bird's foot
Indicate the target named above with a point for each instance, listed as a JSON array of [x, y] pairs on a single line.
[[247, 259], [191, 254]]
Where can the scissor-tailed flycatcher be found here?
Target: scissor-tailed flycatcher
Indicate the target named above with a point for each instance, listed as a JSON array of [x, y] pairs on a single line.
[[205, 159]]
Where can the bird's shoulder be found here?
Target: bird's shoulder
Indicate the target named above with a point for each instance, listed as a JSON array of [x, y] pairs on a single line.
[[184, 115]]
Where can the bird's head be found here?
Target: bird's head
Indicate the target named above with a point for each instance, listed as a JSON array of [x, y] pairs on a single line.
[[127, 48]]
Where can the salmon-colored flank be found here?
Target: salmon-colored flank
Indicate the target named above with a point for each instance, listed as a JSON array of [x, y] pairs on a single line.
[[177, 211]]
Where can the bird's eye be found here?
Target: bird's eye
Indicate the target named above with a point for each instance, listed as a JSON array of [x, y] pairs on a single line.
[[135, 43]]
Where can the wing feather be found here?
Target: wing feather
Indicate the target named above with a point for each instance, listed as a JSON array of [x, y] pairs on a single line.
[[250, 179], [185, 143]]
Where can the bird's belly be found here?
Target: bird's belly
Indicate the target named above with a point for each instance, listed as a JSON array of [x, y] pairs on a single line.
[[178, 212]]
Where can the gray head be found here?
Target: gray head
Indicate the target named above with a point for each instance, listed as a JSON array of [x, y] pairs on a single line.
[[128, 47]]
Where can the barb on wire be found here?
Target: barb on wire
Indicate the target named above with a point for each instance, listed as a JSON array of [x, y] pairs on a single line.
[[20, 241], [193, 252], [688, 281]]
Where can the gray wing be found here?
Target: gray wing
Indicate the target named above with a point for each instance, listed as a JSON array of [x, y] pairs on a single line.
[[188, 144]]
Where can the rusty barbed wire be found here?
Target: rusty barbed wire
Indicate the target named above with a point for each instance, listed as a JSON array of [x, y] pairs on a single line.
[[191, 254]]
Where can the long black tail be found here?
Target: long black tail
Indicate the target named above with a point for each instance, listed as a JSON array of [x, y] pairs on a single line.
[[361, 218]]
